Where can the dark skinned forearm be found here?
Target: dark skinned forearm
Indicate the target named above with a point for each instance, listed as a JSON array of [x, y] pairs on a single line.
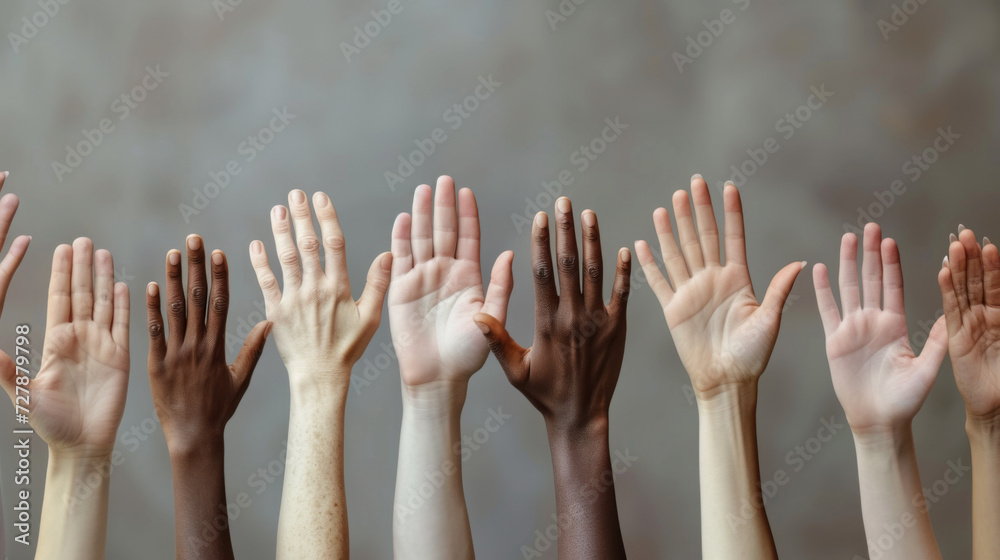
[[200, 503], [586, 510]]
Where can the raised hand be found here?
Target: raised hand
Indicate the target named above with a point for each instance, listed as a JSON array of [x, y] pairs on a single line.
[[321, 332], [195, 392], [570, 372], [970, 287], [77, 398], [436, 289], [881, 384], [723, 335], [78, 395], [879, 381]]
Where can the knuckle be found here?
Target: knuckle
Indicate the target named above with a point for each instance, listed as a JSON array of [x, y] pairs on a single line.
[[288, 257], [542, 272], [176, 307], [335, 243], [198, 295], [155, 329], [594, 270], [568, 262], [309, 244], [220, 304]]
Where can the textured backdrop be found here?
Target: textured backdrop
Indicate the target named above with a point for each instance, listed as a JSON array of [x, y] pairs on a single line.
[[839, 97]]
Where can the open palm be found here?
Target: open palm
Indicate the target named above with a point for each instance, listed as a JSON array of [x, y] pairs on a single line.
[[722, 334], [970, 286], [78, 396], [436, 287], [879, 381]]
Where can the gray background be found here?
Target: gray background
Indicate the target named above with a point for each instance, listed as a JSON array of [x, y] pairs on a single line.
[[354, 118]]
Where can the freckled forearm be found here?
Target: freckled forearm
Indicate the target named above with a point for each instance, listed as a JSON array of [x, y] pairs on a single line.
[[313, 522]]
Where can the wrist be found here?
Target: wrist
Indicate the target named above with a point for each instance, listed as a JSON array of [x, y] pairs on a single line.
[[435, 399], [731, 399], [196, 449], [306, 378], [891, 440], [594, 429], [984, 430]]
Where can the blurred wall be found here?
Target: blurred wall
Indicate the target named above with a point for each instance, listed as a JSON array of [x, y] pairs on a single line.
[[696, 89]]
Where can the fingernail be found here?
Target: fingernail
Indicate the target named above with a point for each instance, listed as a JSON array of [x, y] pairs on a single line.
[[696, 177], [589, 218], [986, 241], [625, 255], [279, 212], [563, 205], [730, 183], [961, 228], [944, 263], [6, 174], [386, 261], [805, 264], [952, 237], [298, 196], [217, 258], [483, 327], [174, 258], [321, 200], [257, 247], [194, 242], [152, 289], [541, 219]]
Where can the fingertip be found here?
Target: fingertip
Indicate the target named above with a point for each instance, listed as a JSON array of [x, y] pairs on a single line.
[[152, 289], [218, 257], [541, 220], [625, 255], [193, 242]]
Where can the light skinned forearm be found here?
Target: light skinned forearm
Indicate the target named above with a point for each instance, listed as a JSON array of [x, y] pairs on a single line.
[[430, 518], [733, 519], [984, 438], [74, 522], [201, 521], [586, 508], [313, 518], [892, 499]]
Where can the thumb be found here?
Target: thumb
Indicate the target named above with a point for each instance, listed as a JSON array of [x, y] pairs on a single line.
[[370, 302], [509, 353], [8, 376], [781, 286], [253, 347], [935, 349]]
